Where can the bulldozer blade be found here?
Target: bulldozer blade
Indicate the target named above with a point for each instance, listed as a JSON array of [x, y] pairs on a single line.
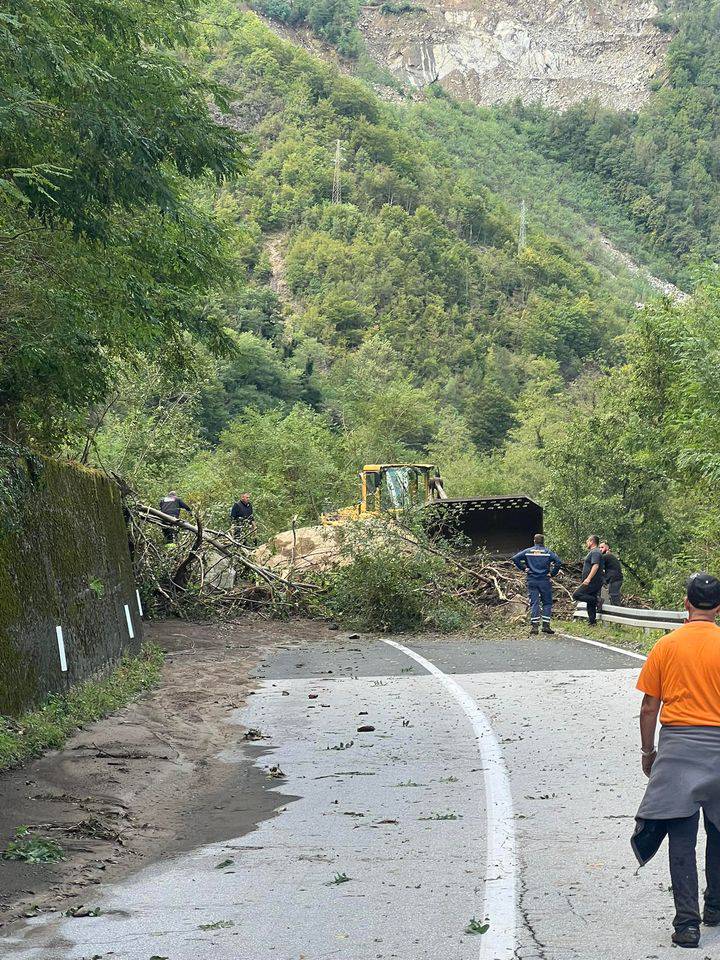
[[500, 526]]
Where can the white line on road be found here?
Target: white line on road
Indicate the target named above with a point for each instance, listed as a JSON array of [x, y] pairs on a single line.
[[500, 904], [605, 646]]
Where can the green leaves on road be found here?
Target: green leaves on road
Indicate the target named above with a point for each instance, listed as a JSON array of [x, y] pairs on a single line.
[[33, 849]]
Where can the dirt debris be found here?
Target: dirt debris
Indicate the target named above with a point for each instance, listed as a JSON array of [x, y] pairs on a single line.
[[151, 780]]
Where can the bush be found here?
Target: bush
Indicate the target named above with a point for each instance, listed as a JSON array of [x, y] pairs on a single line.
[[389, 587]]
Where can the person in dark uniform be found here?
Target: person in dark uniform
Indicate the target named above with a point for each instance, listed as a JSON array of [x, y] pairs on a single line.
[[172, 505], [612, 574], [592, 578], [540, 564], [242, 518]]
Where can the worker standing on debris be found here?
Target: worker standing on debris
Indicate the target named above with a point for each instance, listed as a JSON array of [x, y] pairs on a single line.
[[172, 505], [540, 564], [613, 574], [242, 518], [592, 578], [682, 675]]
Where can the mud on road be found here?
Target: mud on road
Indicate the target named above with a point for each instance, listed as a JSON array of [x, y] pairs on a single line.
[[150, 780]]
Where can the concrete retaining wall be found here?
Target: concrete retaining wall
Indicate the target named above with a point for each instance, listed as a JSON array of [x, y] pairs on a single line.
[[64, 562]]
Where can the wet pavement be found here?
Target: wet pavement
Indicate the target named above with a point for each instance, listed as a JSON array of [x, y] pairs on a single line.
[[384, 853]]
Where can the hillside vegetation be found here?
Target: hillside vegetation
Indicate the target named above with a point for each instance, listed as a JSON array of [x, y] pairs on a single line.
[[400, 323], [218, 324]]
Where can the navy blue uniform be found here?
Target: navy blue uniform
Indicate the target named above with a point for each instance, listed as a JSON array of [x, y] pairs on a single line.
[[540, 563]]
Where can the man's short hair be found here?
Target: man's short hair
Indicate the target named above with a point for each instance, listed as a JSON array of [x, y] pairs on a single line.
[[539, 539], [595, 538], [703, 591]]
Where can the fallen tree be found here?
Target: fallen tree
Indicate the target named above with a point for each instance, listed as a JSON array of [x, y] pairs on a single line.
[[186, 577]]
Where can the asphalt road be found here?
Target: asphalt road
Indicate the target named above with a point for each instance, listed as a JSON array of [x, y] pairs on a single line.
[[499, 784]]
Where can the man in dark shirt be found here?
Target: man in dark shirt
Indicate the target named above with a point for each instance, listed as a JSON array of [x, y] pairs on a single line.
[[592, 578], [612, 575], [243, 519], [540, 564], [172, 505]]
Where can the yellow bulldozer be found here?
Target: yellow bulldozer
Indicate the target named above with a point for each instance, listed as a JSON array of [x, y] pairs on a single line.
[[498, 525]]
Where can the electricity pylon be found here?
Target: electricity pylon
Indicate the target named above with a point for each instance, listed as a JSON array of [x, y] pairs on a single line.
[[337, 186], [522, 235]]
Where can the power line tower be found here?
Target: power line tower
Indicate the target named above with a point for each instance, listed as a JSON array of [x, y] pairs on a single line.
[[522, 236], [337, 186]]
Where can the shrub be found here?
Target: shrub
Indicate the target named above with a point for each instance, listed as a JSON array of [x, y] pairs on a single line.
[[389, 586]]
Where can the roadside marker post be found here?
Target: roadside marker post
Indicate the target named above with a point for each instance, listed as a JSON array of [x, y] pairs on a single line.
[[61, 648], [139, 603], [129, 622]]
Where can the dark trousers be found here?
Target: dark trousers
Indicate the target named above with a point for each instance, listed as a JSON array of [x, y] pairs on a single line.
[[682, 840], [614, 588], [589, 595], [540, 594]]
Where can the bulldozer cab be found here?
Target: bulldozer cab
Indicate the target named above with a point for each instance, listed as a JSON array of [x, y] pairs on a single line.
[[397, 486]]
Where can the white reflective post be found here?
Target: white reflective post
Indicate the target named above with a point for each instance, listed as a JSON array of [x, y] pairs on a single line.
[[139, 603], [129, 622], [61, 649]]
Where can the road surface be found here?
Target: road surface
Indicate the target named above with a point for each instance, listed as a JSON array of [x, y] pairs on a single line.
[[498, 784]]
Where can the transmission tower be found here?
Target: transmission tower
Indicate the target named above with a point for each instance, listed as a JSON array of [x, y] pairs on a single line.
[[337, 186], [522, 236]]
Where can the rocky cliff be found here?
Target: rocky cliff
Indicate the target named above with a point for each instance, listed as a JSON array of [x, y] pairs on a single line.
[[552, 51]]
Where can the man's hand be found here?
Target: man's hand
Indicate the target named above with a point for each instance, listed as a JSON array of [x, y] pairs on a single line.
[[648, 761]]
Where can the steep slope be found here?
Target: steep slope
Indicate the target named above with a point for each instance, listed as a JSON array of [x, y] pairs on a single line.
[[552, 52]]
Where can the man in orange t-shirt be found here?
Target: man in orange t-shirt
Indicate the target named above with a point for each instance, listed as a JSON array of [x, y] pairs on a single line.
[[682, 676]]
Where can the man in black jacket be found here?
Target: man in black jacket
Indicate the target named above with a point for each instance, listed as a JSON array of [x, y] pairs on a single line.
[[592, 578], [243, 519], [172, 505], [613, 574]]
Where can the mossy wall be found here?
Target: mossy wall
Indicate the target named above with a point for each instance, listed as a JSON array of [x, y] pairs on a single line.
[[64, 560]]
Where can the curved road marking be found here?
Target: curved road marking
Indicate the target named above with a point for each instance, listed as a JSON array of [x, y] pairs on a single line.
[[499, 943], [605, 646]]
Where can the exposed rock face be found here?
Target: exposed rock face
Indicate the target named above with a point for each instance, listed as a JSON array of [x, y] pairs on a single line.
[[553, 51]]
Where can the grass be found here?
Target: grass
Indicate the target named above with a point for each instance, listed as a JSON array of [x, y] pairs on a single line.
[[49, 726], [630, 638]]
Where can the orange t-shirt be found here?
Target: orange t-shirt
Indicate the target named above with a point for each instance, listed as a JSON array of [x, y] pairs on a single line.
[[683, 670]]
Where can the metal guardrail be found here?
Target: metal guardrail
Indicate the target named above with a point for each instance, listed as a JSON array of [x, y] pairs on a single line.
[[636, 617]]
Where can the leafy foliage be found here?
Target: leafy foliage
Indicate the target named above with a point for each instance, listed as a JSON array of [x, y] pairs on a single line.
[[384, 584], [31, 848], [106, 255]]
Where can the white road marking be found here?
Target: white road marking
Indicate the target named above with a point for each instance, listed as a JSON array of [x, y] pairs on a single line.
[[605, 646], [500, 905]]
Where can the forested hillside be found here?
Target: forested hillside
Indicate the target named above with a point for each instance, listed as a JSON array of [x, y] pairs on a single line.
[[402, 322], [183, 302], [663, 163]]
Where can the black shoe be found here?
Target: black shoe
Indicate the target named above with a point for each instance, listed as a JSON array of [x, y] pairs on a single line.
[[689, 937], [534, 628], [592, 623], [711, 916], [548, 629]]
